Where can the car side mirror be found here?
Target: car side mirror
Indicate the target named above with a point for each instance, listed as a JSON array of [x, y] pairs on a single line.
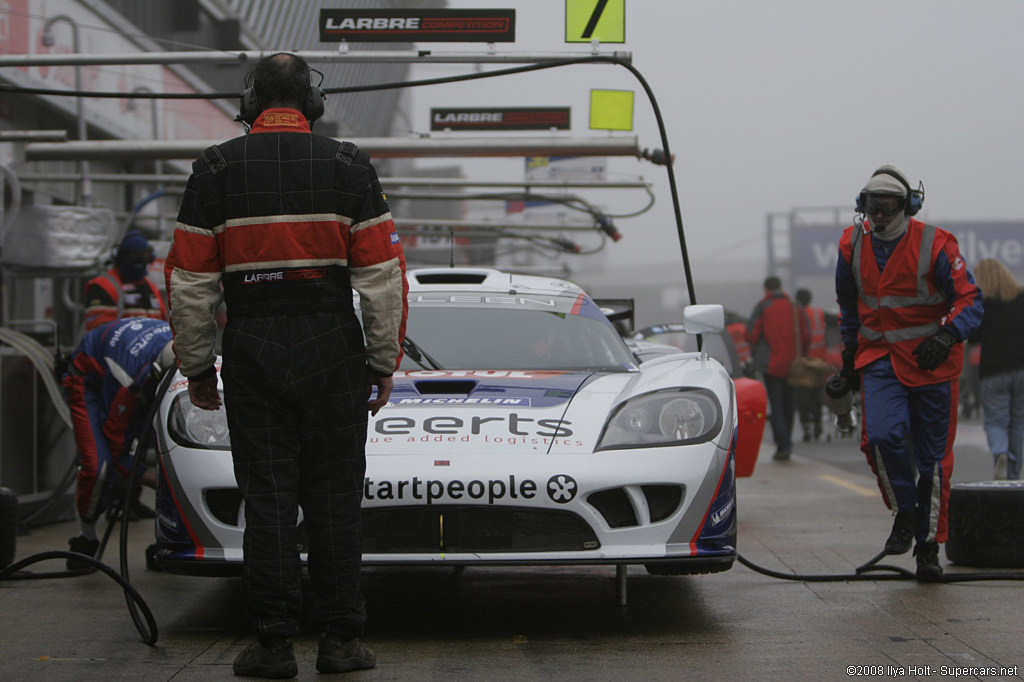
[[704, 319]]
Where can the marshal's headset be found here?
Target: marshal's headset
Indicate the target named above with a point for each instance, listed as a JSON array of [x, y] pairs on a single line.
[[913, 200], [249, 106]]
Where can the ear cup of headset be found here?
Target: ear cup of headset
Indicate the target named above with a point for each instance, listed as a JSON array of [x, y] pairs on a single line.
[[914, 202], [248, 106], [313, 107]]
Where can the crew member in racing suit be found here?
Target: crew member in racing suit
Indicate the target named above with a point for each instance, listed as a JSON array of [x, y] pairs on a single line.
[[124, 290], [110, 381], [907, 303], [289, 223]]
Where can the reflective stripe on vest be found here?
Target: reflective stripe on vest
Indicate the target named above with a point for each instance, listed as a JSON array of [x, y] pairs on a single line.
[[816, 318], [923, 296], [118, 291]]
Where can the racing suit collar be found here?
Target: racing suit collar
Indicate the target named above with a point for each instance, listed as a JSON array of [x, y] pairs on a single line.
[[280, 120]]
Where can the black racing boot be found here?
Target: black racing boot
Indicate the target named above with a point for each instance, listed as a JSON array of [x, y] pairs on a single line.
[[928, 569], [340, 656], [902, 534], [81, 545], [274, 660]]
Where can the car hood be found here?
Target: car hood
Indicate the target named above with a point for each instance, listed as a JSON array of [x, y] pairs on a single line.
[[493, 412]]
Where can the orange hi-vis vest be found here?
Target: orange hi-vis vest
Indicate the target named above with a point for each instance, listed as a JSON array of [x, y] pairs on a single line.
[[901, 306], [816, 318]]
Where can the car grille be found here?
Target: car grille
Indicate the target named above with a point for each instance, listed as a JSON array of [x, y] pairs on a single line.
[[474, 529], [448, 528], [617, 509]]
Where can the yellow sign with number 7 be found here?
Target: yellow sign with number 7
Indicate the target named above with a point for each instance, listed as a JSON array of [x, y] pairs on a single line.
[[601, 20]]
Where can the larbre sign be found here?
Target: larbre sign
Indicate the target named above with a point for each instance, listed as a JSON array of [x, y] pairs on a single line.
[[418, 25], [505, 118]]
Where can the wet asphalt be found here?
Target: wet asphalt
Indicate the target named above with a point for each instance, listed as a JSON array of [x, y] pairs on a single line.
[[817, 515]]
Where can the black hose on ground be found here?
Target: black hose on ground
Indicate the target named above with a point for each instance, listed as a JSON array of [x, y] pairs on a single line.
[[866, 572], [145, 623]]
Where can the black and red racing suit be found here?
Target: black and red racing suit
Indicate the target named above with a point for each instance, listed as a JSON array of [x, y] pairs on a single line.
[[289, 223]]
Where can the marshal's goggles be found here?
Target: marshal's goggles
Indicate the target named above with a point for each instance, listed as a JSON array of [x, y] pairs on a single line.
[[882, 204]]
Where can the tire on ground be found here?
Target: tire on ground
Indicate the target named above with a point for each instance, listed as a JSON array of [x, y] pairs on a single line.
[[986, 524]]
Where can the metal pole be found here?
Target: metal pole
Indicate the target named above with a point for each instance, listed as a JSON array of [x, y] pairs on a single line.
[[310, 56], [180, 179], [158, 165], [484, 225], [33, 135], [85, 190], [378, 147], [620, 582]]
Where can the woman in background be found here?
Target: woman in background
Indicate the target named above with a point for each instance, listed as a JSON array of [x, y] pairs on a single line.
[[1002, 365]]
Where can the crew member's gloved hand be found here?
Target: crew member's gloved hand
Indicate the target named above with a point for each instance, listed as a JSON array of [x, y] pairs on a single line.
[[848, 371], [934, 350]]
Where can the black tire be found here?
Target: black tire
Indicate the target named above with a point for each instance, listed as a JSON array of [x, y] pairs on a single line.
[[986, 524], [8, 527]]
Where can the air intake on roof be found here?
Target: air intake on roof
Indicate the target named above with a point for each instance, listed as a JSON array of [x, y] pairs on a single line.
[[451, 278]]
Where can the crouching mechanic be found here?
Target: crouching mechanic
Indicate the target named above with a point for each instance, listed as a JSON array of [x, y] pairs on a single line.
[[290, 223], [907, 303], [111, 378]]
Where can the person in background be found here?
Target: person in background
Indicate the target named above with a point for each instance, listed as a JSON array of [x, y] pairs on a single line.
[[291, 223], [778, 333], [110, 381], [810, 400], [907, 302], [124, 290], [1001, 368], [737, 329]]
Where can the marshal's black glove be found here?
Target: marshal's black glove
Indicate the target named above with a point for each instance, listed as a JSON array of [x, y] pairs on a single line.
[[934, 350], [848, 371]]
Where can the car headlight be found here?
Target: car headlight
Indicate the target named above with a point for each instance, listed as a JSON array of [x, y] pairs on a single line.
[[678, 416], [195, 427]]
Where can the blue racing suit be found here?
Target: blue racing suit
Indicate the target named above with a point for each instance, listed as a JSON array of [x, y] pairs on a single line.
[[106, 380], [892, 295]]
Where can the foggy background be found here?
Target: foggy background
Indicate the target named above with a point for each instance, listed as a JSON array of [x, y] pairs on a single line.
[[771, 107]]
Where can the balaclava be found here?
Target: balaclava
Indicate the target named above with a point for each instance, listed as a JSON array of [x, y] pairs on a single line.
[[883, 183]]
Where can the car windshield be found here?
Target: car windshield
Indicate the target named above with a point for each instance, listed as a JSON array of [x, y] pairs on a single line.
[[715, 344], [470, 337]]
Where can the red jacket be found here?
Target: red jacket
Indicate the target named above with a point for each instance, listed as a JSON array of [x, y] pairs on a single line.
[[771, 332]]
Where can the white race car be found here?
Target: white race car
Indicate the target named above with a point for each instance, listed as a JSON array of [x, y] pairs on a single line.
[[522, 430]]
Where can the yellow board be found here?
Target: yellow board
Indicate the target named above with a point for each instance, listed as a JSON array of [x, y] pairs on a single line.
[[601, 20], [611, 109]]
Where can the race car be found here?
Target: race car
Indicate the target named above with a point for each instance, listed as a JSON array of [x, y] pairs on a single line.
[[522, 429], [674, 335]]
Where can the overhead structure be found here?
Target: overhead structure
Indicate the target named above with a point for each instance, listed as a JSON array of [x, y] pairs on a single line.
[[378, 147], [310, 56]]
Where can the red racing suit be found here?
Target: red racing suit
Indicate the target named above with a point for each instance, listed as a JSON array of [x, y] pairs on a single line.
[[892, 296], [107, 298], [290, 223]]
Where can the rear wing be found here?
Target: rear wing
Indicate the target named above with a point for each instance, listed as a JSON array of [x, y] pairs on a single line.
[[619, 311]]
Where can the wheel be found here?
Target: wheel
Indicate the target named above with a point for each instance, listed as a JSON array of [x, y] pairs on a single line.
[[986, 524], [8, 527]]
